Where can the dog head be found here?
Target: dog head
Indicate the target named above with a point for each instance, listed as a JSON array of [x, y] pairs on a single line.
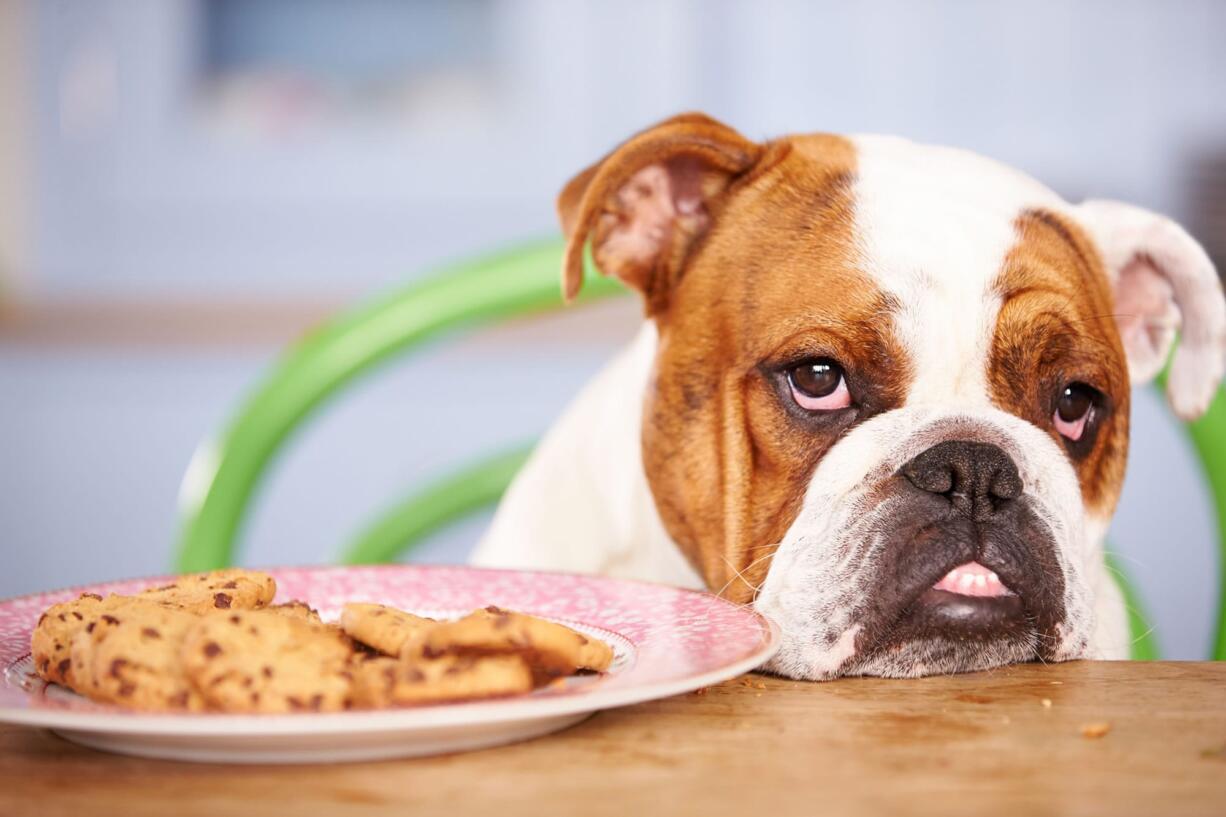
[[890, 399]]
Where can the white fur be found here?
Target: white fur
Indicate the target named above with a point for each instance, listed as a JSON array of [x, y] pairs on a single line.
[[932, 226]]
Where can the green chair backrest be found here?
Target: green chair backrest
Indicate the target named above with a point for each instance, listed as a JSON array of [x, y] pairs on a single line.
[[225, 471]]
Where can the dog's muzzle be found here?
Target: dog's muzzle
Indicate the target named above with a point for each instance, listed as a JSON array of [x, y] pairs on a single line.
[[965, 559]]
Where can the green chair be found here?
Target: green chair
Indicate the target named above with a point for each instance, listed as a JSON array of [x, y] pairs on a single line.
[[225, 471]]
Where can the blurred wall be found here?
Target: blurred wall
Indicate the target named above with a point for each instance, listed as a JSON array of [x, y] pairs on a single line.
[[177, 156], [16, 159], [199, 160]]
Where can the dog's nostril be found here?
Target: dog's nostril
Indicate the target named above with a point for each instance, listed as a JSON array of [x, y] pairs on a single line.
[[977, 478]]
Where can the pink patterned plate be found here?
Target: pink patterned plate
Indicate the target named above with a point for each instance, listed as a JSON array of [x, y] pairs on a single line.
[[666, 641]]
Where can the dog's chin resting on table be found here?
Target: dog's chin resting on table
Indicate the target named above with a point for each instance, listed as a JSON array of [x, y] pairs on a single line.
[[881, 394]]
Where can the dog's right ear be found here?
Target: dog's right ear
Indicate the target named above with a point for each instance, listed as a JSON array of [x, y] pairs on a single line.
[[644, 205]]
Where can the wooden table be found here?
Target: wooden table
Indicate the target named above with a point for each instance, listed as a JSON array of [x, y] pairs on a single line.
[[1003, 742]]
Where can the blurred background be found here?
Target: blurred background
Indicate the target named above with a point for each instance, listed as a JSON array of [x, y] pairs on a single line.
[[187, 186]]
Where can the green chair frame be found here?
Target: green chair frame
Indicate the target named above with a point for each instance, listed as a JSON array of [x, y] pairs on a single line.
[[226, 471]]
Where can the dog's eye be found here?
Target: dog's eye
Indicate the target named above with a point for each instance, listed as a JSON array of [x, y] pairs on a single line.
[[1074, 410], [819, 385]]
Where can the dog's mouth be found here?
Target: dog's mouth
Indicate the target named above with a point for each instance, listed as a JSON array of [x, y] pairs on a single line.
[[963, 589], [971, 599]]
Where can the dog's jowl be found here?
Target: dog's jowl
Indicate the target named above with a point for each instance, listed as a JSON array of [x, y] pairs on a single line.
[[881, 393]]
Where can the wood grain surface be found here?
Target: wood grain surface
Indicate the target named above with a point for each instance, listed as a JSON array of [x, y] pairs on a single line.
[[1011, 741]]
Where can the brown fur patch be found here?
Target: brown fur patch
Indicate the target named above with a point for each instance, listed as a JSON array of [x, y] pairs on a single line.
[[1056, 327], [775, 280]]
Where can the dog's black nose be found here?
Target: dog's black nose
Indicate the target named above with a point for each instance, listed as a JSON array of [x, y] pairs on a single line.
[[977, 478]]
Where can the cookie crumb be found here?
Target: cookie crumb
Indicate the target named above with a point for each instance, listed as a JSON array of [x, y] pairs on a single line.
[[1095, 730]]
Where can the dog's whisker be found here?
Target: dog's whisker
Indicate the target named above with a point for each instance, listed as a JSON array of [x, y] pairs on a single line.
[[755, 588]]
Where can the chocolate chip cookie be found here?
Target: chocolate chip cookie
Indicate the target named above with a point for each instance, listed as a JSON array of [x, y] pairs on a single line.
[[233, 588], [131, 657], [264, 661], [382, 682], [551, 649], [382, 628]]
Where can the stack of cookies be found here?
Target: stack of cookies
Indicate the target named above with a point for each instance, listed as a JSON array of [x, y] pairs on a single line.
[[214, 642]]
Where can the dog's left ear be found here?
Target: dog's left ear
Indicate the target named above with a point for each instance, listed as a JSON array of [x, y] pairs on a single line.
[[1163, 282], [645, 204]]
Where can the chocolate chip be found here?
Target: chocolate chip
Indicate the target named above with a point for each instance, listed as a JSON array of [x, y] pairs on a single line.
[[295, 703], [41, 619], [266, 671], [255, 697], [230, 585], [78, 616], [211, 649], [110, 619], [61, 617], [415, 675], [126, 690], [89, 628], [236, 619], [150, 632], [93, 596], [221, 600], [168, 587], [117, 665], [247, 682], [347, 703], [61, 667]]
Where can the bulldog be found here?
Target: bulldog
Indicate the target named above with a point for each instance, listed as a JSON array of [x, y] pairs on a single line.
[[881, 394]]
